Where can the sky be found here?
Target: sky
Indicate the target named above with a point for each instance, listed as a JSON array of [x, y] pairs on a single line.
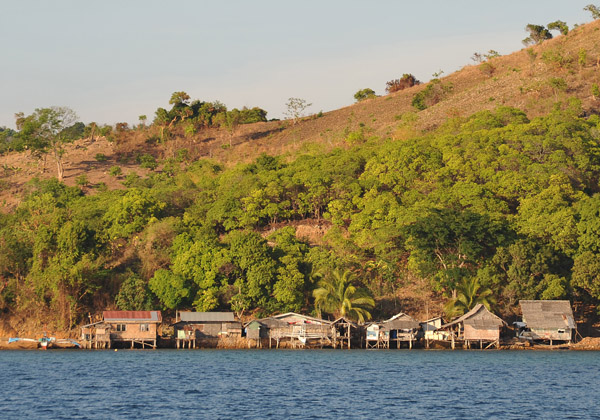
[[113, 60]]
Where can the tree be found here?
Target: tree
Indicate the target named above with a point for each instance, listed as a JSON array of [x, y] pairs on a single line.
[[142, 119], [469, 294], [593, 10], [296, 108], [45, 131], [179, 99], [560, 26], [337, 295], [363, 94], [537, 34], [407, 80]]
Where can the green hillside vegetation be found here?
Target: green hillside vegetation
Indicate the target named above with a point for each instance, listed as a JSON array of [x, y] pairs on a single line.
[[408, 203]]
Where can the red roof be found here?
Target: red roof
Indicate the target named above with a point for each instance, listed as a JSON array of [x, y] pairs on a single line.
[[151, 316]]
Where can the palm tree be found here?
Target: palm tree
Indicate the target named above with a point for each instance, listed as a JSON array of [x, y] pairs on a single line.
[[337, 295], [469, 294]]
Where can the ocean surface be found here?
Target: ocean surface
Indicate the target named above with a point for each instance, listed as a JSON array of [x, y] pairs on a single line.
[[299, 384]]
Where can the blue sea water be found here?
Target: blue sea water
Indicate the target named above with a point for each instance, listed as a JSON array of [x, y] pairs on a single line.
[[305, 384]]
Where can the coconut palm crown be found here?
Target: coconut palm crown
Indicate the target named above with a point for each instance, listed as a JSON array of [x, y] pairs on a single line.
[[336, 294]]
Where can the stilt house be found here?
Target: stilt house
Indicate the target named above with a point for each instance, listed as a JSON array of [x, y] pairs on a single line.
[[346, 333], [135, 327], [296, 329], [193, 326], [548, 320], [393, 332], [478, 326]]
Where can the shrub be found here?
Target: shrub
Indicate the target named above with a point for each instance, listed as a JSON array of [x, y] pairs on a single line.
[[432, 94], [115, 171], [101, 157], [82, 180], [363, 94], [487, 68], [147, 161], [407, 80]]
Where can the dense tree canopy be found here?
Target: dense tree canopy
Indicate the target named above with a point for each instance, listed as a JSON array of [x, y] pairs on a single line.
[[492, 207]]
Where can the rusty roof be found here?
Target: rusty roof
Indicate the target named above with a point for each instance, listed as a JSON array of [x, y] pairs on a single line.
[[129, 316], [547, 314]]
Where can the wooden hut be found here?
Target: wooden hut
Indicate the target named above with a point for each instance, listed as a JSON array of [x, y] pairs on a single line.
[[401, 328], [476, 326], [192, 326], [135, 327], [345, 333], [548, 320], [296, 329], [430, 330]]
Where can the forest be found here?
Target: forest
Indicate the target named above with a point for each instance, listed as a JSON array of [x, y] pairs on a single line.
[[492, 208]]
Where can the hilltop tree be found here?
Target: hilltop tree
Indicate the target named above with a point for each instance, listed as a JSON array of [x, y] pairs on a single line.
[[179, 99], [46, 131], [407, 80], [296, 108], [560, 26], [593, 10], [363, 94], [537, 34]]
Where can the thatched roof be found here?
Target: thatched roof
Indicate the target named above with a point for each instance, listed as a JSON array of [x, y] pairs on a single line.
[[547, 314], [478, 317], [401, 321]]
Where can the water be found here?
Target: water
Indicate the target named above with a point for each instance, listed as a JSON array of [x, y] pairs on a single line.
[[310, 384]]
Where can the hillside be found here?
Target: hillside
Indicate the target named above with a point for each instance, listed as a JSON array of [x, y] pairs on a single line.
[[521, 80], [491, 187]]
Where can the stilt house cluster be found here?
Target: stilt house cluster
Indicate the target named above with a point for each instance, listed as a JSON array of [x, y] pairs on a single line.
[[545, 321]]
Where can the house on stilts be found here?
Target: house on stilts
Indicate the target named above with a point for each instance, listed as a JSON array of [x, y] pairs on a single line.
[[123, 327], [478, 327], [294, 329], [392, 333], [548, 320], [191, 328]]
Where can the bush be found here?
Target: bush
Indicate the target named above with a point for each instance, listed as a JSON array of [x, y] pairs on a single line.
[[147, 161], [431, 95], [115, 171], [82, 180], [363, 94], [101, 157], [407, 80]]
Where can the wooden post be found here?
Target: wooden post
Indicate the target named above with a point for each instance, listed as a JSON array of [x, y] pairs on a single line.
[[453, 344], [349, 335]]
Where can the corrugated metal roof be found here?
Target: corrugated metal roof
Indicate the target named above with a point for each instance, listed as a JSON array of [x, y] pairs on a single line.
[[150, 316], [206, 316], [547, 314], [305, 318]]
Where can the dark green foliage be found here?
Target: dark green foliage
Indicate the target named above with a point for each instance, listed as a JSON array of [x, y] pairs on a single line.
[[537, 34], [363, 94], [560, 26], [494, 201]]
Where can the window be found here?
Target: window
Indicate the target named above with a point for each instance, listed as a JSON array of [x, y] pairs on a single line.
[[121, 327], [144, 327]]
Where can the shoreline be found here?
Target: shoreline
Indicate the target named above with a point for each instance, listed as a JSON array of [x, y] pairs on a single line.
[[587, 344]]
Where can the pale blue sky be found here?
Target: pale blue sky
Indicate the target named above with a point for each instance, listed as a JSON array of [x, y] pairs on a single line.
[[112, 60]]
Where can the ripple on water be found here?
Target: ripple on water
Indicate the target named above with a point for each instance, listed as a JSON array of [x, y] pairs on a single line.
[[299, 384]]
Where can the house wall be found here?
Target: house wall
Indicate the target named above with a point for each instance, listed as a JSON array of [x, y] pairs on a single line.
[[472, 333], [552, 334], [133, 331]]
